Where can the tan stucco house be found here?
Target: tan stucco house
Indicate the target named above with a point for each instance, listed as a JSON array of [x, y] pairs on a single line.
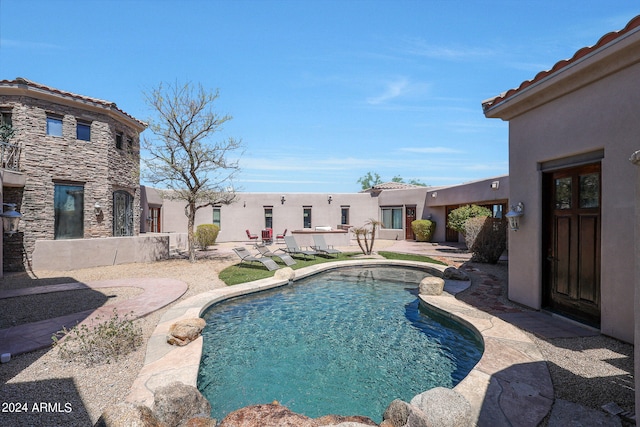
[[572, 130]]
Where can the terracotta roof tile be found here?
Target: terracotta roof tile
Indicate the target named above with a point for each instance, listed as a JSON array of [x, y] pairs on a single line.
[[607, 38]]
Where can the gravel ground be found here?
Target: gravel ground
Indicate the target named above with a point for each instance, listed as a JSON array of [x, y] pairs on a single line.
[[589, 371]]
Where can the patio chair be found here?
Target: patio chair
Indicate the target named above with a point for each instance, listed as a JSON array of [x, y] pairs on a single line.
[[294, 249], [264, 251], [322, 247], [245, 256], [280, 237], [251, 236]]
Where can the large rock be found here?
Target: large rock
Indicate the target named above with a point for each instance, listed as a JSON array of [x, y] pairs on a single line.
[[444, 407], [431, 285], [285, 273], [339, 420], [402, 414], [127, 414], [454, 274], [184, 331], [269, 415], [177, 402]]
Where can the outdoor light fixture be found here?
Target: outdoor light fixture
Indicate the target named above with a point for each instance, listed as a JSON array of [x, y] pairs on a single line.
[[282, 199], [10, 218], [434, 194], [495, 185], [514, 216], [329, 199], [97, 209]]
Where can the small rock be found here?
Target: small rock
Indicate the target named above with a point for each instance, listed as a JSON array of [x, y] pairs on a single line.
[[403, 414], [184, 331], [177, 402], [454, 274], [285, 273], [431, 285], [444, 407]]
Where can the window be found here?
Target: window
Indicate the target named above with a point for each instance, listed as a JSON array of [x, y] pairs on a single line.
[[6, 125], [268, 217], [54, 125], [392, 218], [306, 216], [69, 211], [83, 131], [122, 214], [216, 216], [154, 220], [130, 144], [119, 140], [344, 215], [5, 118]]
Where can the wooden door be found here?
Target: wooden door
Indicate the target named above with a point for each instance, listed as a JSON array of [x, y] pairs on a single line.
[[451, 235], [572, 242], [409, 216]]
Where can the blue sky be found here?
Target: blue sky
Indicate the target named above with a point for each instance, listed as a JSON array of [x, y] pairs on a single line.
[[321, 92]]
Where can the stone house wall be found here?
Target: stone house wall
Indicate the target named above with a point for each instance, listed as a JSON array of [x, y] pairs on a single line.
[[46, 160]]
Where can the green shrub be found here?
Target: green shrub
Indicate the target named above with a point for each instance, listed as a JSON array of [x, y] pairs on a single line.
[[457, 217], [423, 229], [206, 235], [486, 238], [102, 342]]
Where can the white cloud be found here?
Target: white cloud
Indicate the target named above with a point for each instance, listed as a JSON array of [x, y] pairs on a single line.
[[397, 88]]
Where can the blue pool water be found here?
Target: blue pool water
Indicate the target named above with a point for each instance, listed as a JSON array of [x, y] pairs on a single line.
[[344, 342]]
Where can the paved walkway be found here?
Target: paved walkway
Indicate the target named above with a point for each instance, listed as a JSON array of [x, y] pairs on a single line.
[[37, 335]]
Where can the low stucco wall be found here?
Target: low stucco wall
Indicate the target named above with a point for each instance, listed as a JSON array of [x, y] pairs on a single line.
[[63, 255]]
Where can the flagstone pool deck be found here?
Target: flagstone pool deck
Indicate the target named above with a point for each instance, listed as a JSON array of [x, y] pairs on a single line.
[[510, 385]]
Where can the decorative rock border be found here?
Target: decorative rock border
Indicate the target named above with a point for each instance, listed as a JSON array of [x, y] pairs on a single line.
[[510, 385]]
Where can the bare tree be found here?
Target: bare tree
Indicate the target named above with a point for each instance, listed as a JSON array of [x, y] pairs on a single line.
[[182, 156]]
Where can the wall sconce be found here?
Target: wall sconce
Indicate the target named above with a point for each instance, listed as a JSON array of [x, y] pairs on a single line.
[[282, 199], [434, 194], [329, 199], [495, 185], [10, 219], [514, 216], [97, 209]]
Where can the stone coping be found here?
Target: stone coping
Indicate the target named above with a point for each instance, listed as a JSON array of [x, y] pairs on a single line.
[[510, 385]]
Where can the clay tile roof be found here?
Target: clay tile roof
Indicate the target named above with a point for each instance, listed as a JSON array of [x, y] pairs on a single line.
[[607, 38], [20, 81]]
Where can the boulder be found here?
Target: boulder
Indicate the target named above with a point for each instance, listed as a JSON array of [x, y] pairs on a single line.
[[444, 407], [184, 331], [403, 414], [269, 415], [126, 414], [178, 402], [200, 422], [431, 285], [285, 273], [339, 420], [453, 273]]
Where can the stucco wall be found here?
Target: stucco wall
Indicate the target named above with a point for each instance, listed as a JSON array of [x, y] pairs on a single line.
[[63, 255], [586, 110]]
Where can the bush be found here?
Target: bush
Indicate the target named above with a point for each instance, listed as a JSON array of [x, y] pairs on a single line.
[[206, 235], [486, 238], [423, 229], [457, 217], [102, 342]]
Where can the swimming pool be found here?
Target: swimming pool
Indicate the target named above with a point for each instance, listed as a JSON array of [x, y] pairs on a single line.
[[347, 342]]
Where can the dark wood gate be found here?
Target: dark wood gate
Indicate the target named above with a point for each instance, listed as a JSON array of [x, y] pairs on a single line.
[[451, 235], [572, 242]]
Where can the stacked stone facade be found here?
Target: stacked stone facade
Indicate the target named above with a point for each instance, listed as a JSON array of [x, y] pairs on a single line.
[[97, 165]]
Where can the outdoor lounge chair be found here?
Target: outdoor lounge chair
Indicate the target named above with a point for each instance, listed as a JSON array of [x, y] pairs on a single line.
[[322, 247], [251, 236], [245, 256], [294, 249], [264, 251]]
